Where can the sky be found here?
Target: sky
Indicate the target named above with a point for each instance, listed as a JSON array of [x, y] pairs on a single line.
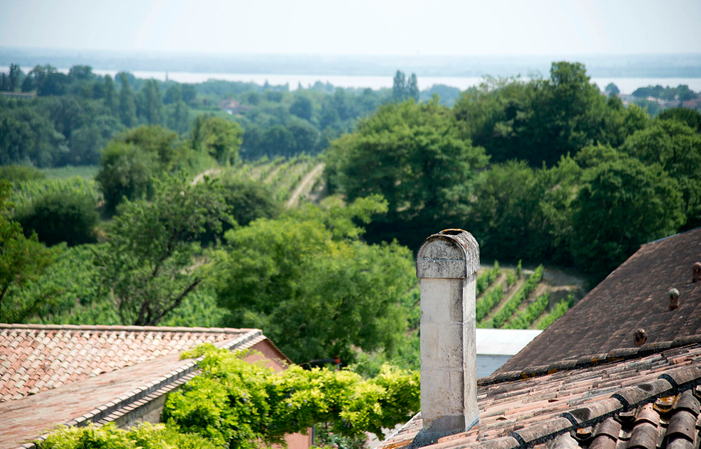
[[361, 27]]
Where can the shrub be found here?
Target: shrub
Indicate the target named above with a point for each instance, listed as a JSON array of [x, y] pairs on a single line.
[[60, 217], [19, 173], [145, 436]]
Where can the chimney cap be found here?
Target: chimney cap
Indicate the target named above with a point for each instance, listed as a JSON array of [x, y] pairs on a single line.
[[640, 337], [696, 272], [451, 253]]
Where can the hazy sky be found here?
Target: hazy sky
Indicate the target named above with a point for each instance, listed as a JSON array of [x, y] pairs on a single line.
[[365, 27]]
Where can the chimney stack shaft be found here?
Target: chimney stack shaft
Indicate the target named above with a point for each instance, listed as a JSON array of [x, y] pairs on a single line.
[[447, 264]]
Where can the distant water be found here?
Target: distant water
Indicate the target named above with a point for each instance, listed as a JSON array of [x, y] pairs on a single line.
[[626, 85]]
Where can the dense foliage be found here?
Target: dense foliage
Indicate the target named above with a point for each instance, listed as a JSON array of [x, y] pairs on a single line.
[[147, 264], [338, 292], [238, 404]]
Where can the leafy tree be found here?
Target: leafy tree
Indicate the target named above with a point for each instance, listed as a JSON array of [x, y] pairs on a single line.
[[14, 77], [22, 260], [677, 149], [399, 86], [151, 103], [60, 217], [411, 154], [543, 120], [306, 136], [611, 89], [689, 117], [27, 135], [412, 88], [148, 264], [621, 205], [110, 96], [302, 107], [218, 137], [156, 141], [279, 141], [316, 289], [127, 105], [125, 172]]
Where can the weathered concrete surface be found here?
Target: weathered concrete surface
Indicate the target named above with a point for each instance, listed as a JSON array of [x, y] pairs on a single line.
[[447, 264]]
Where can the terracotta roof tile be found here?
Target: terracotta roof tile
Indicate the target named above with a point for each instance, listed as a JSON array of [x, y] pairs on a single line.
[[638, 402], [631, 297], [34, 358]]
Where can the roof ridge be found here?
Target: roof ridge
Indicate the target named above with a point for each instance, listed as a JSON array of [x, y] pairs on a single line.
[[218, 330], [587, 361]]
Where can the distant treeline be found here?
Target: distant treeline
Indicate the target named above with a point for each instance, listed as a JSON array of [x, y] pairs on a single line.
[[74, 115]]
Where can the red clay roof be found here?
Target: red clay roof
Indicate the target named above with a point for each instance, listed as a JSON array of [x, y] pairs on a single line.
[[642, 398], [633, 296], [35, 358], [95, 373]]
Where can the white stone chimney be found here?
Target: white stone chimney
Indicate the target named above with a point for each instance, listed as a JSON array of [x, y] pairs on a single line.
[[446, 265]]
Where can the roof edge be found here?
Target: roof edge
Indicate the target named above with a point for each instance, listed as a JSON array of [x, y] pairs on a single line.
[[588, 361], [124, 404], [217, 330]]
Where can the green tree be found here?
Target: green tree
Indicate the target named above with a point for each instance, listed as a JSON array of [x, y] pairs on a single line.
[[412, 88], [14, 77], [60, 217], [127, 105], [413, 155], [621, 205], [611, 89], [125, 172], [313, 285], [302, 107], [677, 149], [147, 265], [22, 260], [152, 104], [110, 96], [218, 137], [689, 117], [156, 141], [399, 86]]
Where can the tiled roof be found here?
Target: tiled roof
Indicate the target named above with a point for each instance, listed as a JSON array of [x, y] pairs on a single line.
[[35, 358], [641, 398], [633, 296], [153, 368]]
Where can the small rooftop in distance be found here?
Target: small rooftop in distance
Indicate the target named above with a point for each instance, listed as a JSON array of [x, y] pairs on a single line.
[[504, 341]]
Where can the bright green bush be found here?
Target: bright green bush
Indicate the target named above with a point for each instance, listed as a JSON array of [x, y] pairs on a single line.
[[242, 405], [60, 217], [510, 278], [26, 192], [557, 312], [145, 436]]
